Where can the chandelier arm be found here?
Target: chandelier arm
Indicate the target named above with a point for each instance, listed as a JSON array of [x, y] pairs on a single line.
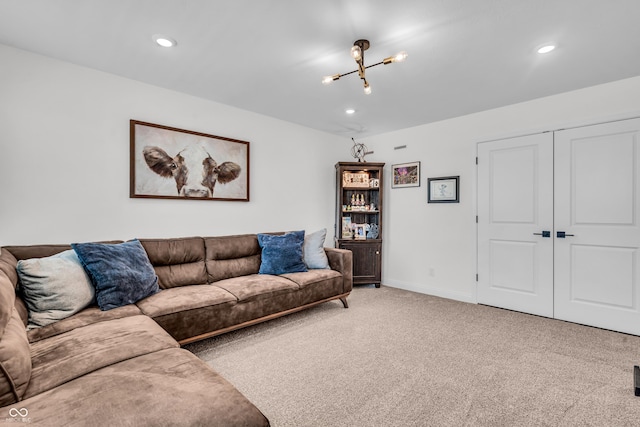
[[350, 72], [378, 63]]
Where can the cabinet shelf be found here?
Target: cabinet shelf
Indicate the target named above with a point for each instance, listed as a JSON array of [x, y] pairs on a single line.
[[361, 188]]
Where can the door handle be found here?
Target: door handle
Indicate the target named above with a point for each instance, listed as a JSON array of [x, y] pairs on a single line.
[[562, 235], [544, 233]]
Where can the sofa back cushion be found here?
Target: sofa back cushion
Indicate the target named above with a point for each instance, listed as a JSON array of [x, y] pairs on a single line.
[[177, 262], [232, 256], [8, 264], [15, 355], [35, 251]]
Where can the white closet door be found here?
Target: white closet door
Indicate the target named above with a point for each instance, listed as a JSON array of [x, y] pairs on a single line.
[[597, 205], [515, 206]]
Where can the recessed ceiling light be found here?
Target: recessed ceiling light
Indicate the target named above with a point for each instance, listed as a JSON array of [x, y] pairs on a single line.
[[164, 41], [546, 48], [349, 111]]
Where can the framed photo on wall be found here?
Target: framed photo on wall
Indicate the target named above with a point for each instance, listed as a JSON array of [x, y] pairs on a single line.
[[443, 190], [405, 175], [171, 163]]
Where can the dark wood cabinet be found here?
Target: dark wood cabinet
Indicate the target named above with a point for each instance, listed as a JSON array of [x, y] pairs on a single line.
[[358, 227]]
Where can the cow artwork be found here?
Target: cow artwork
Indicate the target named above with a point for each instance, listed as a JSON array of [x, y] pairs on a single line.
[[173, 163], [193, 169]]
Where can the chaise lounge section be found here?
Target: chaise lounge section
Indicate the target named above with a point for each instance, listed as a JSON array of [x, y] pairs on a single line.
[[125, 365]]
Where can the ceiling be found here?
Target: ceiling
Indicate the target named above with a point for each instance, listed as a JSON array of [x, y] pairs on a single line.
[[269, 56]]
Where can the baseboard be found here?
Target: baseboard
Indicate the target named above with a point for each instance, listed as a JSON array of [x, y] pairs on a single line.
[[438, 292]]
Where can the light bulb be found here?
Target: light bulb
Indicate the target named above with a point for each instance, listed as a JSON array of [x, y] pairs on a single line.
[[367, 89], [356, 52], [327, 80], [400, 57]]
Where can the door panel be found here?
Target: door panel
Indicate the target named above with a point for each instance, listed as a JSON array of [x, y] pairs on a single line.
[[590, 269], [515, 196], [602, 178], [597, 204], [513, 266]]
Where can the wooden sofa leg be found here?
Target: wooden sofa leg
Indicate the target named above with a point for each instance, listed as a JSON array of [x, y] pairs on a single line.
[[344, 302]]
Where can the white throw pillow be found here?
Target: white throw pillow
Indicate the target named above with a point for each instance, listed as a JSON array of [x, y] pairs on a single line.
[[313, 250], [54, 288]]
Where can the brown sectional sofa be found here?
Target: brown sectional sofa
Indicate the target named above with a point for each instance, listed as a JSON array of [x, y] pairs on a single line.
[[125, 366]]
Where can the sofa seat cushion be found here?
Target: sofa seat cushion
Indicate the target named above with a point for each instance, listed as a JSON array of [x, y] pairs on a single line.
[[167, 388], [255, 286], [183, 298], [317, 285], [312, 277], [85, 317], [62, 358]]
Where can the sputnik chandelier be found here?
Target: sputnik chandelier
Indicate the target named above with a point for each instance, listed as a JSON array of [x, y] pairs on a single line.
[[357, 53]]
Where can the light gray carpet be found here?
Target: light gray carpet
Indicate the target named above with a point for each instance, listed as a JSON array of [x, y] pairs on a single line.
[[398, 358]]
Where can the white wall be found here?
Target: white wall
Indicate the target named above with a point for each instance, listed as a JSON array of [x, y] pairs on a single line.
[[64, 170], [64, 174], [431, 248]]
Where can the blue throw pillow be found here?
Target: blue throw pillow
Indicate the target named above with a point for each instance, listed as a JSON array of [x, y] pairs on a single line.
[[121, 273], [282, 254]]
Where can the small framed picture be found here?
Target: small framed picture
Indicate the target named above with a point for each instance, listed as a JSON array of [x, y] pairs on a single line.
[[346, 227], [406, 175], [355, 179], [443, 190], [359, 232]]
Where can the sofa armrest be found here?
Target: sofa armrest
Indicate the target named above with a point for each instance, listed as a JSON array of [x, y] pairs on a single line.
[[341, 260]]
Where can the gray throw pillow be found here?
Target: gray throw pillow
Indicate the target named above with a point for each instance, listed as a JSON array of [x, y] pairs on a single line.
[[313, 250], [54, 288]]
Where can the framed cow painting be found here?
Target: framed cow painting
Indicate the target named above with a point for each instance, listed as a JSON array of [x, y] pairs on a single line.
[[171, 163]]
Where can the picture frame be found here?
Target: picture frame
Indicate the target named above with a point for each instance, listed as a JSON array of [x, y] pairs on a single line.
[[163, 159], [355, 180], [347, 231], [405, 175], [359, 231], [443, 189]]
